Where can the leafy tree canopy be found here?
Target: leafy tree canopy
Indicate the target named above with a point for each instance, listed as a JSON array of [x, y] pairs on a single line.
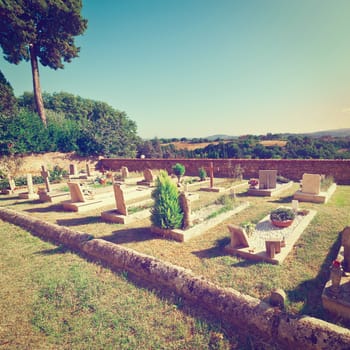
[[48, 26], [8, 102]]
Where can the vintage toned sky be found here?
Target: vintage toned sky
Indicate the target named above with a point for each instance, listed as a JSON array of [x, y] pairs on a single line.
[[194, 68]]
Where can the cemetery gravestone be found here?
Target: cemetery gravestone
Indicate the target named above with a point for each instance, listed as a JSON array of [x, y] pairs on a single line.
[[267, 179], [125, 172], [73, 169], [148, 175], [75, 192], [11, 183], [88, 171], [30, 184], [185, 205], [45, 174], [119, 200], [346, 244], [239, 238], [311, 183]]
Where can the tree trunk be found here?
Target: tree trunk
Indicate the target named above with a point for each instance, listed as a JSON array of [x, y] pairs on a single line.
[[36, 85]]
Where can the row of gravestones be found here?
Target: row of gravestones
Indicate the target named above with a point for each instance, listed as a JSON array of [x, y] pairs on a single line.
[[311, 183]]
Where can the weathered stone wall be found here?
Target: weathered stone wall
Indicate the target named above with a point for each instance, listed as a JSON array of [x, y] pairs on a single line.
[[290, 168], [242, 311]]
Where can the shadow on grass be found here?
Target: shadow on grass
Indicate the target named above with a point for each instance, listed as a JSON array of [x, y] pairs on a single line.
[[282, 200], [54, 207], [58, 250], [79, 221], [310, 291], [213, 252], [139, 234]]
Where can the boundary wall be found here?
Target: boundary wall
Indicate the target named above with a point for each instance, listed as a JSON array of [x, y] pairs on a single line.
[[293, 169], [246, 313]]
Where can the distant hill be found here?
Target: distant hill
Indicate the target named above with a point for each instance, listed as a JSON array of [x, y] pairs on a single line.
[[220, 137], [335, 133]]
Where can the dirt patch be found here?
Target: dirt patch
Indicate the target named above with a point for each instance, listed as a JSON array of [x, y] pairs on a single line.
[[32, 163]]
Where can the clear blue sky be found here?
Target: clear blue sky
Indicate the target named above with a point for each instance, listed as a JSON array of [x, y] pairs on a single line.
[[195, 68]]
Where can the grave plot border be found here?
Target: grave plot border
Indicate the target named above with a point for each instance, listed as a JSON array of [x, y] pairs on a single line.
[[260, 255], [199, 229]]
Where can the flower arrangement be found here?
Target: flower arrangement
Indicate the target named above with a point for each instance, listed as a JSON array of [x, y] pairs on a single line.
[[282, 217], [253, 183]]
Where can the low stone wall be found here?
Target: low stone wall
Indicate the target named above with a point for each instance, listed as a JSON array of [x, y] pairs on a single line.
[[242, 311], [290, 168]]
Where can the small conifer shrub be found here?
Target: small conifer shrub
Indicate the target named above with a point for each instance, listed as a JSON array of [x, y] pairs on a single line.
[[166, 212], [179, 170]]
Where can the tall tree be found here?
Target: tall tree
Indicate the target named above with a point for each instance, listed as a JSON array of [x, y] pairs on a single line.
[[40, 30]]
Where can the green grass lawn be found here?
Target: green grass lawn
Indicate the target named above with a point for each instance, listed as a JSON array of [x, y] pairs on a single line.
[[53, 299], [302, 275]]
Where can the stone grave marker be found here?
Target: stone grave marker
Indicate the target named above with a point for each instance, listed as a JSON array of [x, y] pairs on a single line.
[[311, 183], [76, 192], [211, 175], [73, 169], [148, 175], [119, 199], [45, 174], [125, 172], [88, 170], [267, 179], [30, 184], [239, 238], [273, 246], [11, 183], [185, 205], [345, 241]]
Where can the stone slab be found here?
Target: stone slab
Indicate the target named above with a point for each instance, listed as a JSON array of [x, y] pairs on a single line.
[[212, 189], [114, 217], [258, 253], [27, 195], [53, 197], [89, 204], [322, 197], [197, 230], [271, 191]]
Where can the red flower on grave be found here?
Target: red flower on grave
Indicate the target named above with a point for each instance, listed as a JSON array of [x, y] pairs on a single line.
[[253, 182], [336, 263]]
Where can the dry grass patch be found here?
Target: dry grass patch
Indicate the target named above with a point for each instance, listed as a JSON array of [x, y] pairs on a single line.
[[53, 299]]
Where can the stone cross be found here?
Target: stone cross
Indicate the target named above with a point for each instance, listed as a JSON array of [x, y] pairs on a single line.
[[125, 172], [185, 205], [30, 184], [211, 175], [73, 169], [45, 174], [76, 192], [267, 179], [345, 241], [311, 183], [119, 199]]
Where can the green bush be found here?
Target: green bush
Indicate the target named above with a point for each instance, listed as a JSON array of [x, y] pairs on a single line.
[[202, 173], [166, 213], [179, 170]]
